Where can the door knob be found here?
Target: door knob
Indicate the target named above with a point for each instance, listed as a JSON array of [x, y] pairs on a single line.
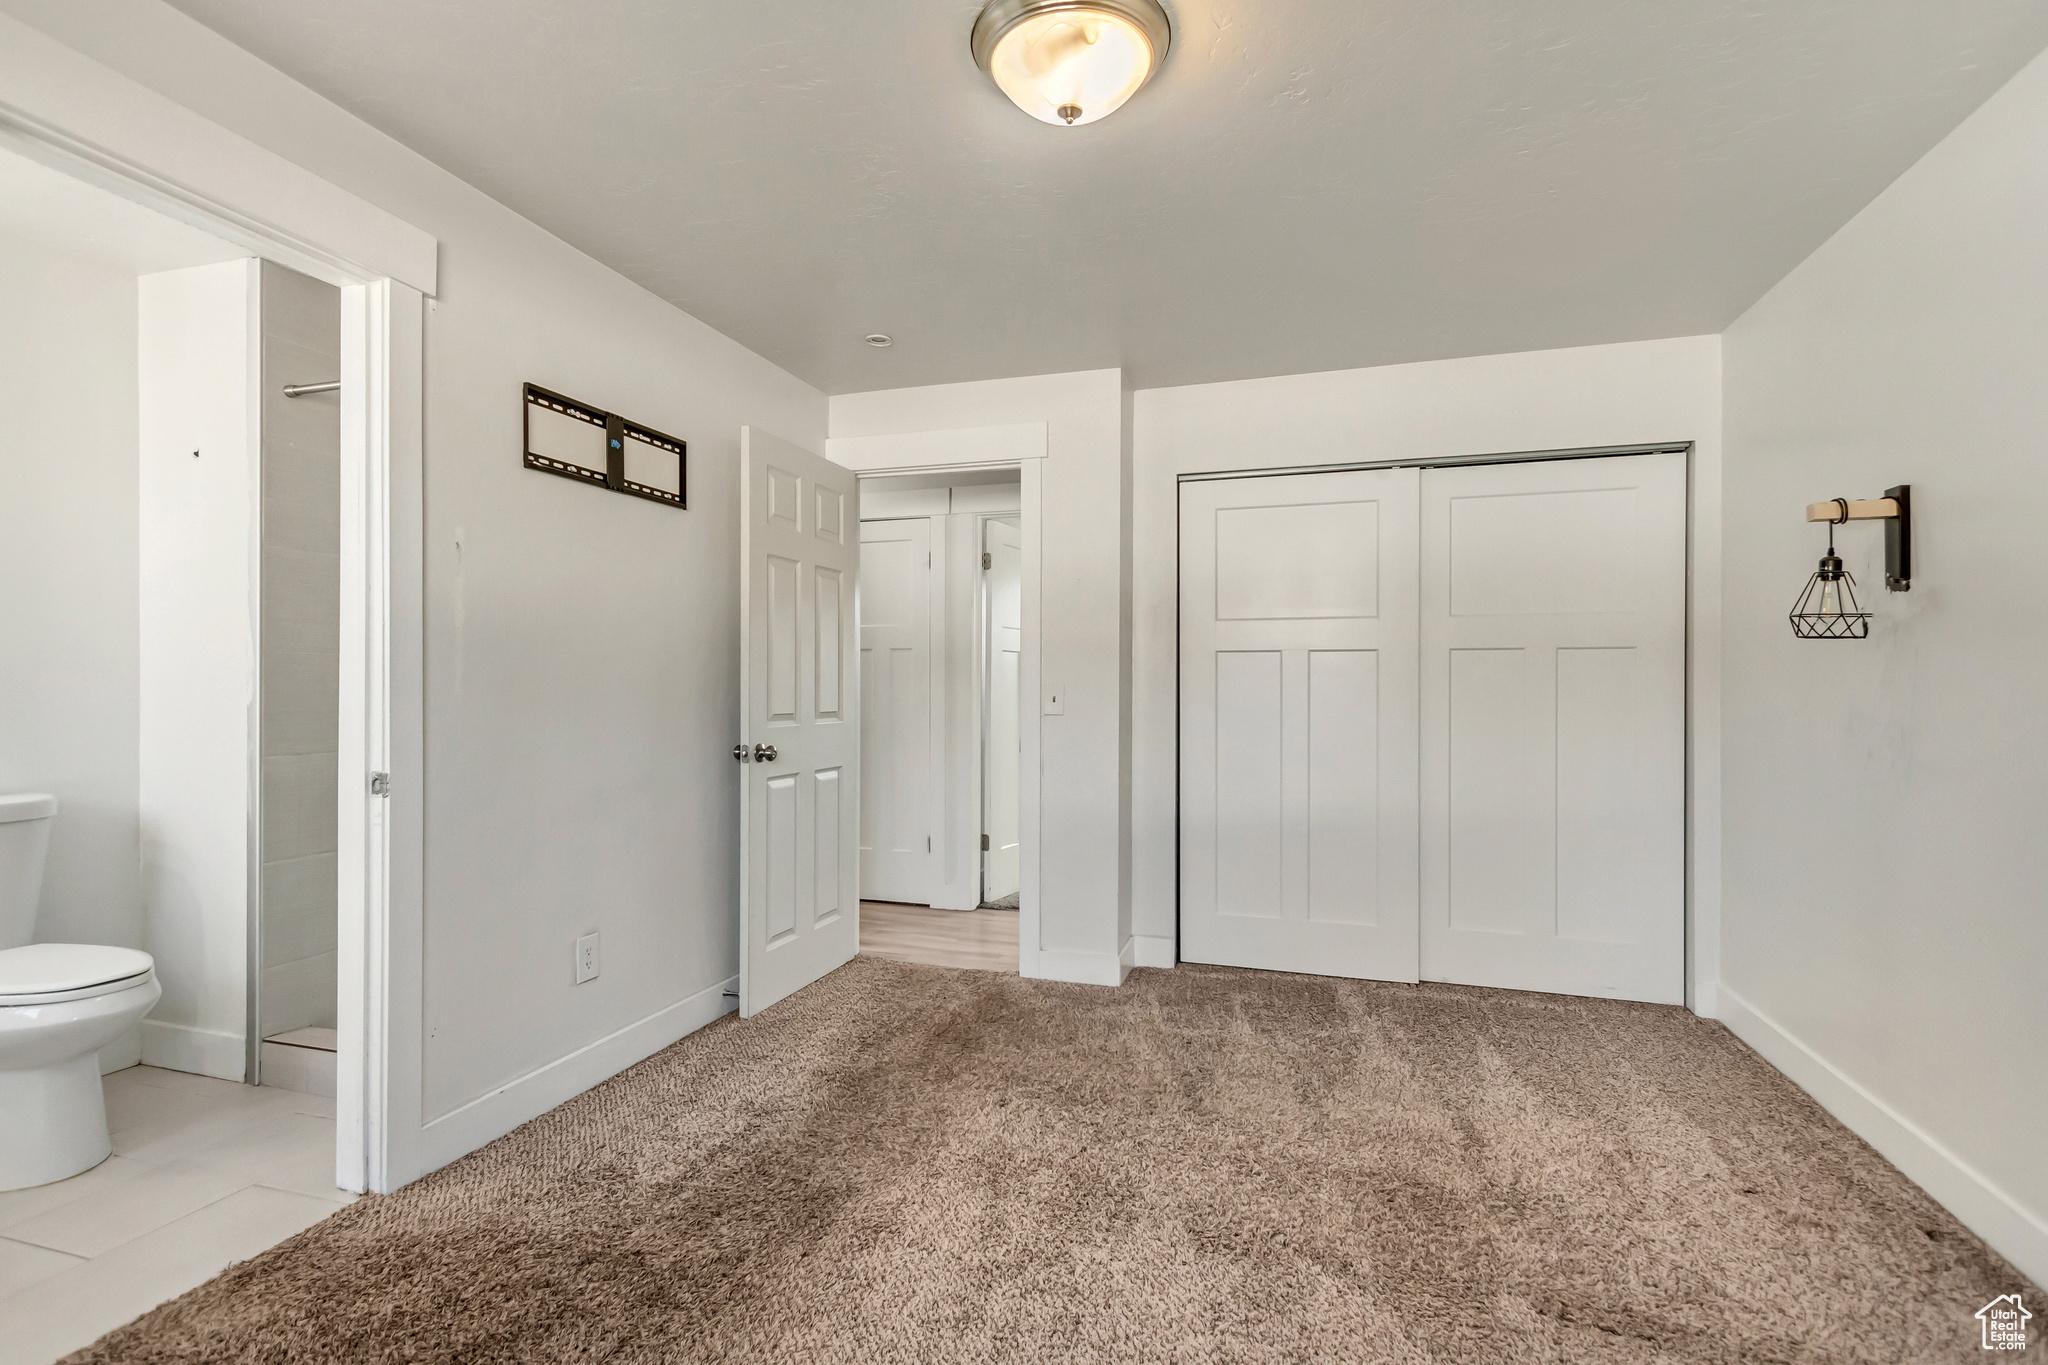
[[739, 751], [764, 753]]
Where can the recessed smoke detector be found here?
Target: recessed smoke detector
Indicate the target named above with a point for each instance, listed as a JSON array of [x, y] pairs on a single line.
[[879, 340]]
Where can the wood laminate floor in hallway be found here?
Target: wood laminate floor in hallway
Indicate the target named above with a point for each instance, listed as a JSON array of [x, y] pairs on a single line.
[[939, 938]]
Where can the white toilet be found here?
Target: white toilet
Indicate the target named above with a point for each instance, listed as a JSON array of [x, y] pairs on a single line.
[[60, 1003]]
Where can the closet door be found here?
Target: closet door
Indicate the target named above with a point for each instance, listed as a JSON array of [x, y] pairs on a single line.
[[1553, 726], [1299, 718]]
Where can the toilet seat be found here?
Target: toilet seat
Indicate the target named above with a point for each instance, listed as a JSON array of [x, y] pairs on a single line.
[[50, 973]]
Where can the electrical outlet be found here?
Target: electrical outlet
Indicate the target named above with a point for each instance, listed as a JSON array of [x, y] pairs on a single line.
[[586, 958], [1055, 701]]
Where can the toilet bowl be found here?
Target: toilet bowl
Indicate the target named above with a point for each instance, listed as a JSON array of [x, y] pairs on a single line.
[[60, 1003]]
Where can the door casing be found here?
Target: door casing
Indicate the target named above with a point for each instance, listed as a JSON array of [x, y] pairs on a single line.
[[1021, 446]]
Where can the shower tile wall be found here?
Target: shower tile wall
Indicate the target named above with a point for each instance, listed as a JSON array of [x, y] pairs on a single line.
[[300, 649]]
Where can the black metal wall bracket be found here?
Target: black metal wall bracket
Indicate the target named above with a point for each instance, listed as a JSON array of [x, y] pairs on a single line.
[[1898, 541], [1895, 510], [617, 431]]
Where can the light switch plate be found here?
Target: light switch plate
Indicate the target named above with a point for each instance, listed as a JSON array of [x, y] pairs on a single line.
[[1055, 701], [586, 958]]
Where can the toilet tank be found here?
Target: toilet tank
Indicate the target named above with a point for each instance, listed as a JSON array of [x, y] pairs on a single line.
[[24, 838]]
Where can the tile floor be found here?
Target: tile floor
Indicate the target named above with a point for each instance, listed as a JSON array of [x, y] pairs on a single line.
[[204, 1173]]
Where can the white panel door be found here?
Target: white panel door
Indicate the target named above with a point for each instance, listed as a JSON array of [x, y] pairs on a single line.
[[800, 708], [1553, 683], [1298, 723], [896, 809], [1003, 586]]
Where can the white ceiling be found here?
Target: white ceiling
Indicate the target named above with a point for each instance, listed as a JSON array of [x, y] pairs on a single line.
[[59, 213], [1309, 184]]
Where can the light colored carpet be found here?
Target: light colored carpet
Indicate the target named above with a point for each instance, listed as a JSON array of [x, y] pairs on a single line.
[[922, 1164], [1010, 902]]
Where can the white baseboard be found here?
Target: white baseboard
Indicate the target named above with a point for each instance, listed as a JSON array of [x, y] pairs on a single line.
[[123, 1052], [489, 1117], [1154, 951], [2014, 1231], [1088, 969], [177, 1047]]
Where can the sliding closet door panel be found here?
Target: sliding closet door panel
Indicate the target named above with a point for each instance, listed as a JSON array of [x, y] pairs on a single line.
[[1299, 723], [1250, 810], [1341, 786], [1553, 726], [1498, 872]]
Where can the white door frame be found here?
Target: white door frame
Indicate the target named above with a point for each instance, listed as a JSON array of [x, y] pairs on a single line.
[[1022, 446], [1596, 452], [68, 112]]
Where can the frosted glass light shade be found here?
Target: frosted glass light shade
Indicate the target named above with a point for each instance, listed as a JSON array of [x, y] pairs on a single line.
[[1070, 62]]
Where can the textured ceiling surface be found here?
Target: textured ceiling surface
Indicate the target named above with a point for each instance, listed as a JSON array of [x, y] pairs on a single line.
[[1307, 184]]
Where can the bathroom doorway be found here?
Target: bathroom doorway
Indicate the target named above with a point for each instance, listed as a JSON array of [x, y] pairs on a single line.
[[172, 777], [174, 685], [170, 486]]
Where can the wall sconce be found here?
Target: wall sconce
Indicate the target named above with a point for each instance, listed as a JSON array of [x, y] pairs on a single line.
[[1827, 609]]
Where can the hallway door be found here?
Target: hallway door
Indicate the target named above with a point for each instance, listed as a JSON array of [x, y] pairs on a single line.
[[896, 813], [1553, 726], [799, 748], [1299, 711]]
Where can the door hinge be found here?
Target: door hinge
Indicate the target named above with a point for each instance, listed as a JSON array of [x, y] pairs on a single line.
[[988, 561], [984, 843], [380, 784]]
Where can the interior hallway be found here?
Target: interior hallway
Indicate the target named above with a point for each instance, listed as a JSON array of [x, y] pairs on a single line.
[[984, 939]]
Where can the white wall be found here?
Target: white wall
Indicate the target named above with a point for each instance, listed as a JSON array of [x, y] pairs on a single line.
[[67, 553], [581, 698], [583, 669], [1083, 856], [1636, 393], [197, 371], [1884, 934]]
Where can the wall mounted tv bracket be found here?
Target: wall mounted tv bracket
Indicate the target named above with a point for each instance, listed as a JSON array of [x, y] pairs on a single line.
[[623, 456]]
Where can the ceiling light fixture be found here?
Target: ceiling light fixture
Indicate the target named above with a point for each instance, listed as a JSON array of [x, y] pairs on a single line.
[[879, 339], [1071, 62]]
